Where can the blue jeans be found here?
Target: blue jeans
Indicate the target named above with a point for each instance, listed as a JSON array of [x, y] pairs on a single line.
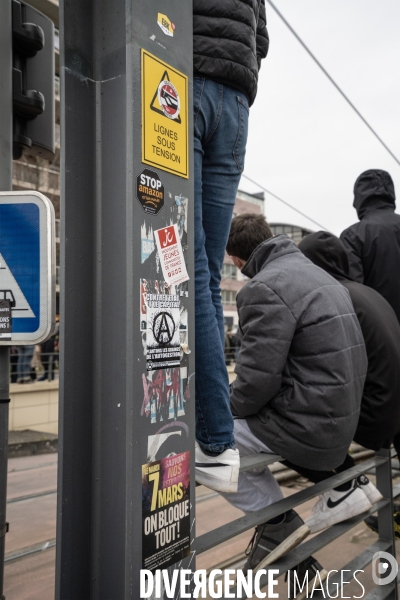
[[25, 354], [220, 135]]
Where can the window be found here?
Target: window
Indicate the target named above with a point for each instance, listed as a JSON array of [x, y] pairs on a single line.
[[228, 297], [228, 271]]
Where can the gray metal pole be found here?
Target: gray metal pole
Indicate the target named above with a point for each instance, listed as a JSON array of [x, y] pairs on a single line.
[[106, 430], [385, 515], [5, 185]]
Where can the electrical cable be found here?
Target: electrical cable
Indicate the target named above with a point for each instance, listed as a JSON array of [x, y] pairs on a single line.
[[307, 49], [284, 202]]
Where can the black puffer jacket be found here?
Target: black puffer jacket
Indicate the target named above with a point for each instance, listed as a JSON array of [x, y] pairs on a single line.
[[380, 405], [373, 244], [230, 38], [302, 364]]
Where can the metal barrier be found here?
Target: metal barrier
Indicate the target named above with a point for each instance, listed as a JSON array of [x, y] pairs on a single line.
[[386, 541], [44, 368]]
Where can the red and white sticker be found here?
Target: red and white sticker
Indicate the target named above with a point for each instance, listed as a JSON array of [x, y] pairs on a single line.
[[171, 255], [168, 98]]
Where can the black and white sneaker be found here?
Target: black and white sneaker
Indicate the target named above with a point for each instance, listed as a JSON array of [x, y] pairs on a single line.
[[221, 472], [335, 506], [372, 493], [268, 538]]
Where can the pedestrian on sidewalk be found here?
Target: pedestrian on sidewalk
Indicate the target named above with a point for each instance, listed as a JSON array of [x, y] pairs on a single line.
[[25, 354], [229, 41]]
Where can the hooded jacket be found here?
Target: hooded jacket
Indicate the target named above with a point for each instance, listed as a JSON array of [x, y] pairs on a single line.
[[373, 244], [230, 38], [380, 405], [302, 364]]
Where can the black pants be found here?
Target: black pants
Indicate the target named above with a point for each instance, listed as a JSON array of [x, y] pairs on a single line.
[[317, 476]]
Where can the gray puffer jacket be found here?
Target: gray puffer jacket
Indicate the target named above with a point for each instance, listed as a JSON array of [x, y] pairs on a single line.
[[302, 363]]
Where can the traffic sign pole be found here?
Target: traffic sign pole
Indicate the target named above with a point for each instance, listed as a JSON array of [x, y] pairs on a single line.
[[6, 120]]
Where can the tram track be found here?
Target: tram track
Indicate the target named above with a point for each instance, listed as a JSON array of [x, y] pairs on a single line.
[[49, 464], [31, 496]]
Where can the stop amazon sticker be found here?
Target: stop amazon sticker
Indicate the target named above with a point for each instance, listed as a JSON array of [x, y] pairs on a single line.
[[171, 255]]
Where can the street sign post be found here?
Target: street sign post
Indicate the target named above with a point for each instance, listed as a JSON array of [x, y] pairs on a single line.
[[27, 299], [27, 266]]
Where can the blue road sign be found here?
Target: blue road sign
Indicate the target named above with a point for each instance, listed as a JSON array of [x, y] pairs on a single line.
[[27, 265]]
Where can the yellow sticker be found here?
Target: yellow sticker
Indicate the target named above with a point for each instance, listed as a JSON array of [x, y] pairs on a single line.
[[165, 25], [165, 140]]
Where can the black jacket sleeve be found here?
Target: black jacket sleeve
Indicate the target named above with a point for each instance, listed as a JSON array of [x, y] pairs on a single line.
[[268, 328], [353, 247], [262, 38]]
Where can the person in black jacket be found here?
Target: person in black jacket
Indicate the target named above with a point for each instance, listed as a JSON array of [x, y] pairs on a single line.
[[380, 406], [229, 40], [373, 244]]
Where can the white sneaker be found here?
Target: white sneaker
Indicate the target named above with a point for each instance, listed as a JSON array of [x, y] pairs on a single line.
[[334, 507], [372, 493], [220, 473]]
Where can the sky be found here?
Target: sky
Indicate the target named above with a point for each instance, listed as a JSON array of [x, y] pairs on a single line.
[[305, 143]]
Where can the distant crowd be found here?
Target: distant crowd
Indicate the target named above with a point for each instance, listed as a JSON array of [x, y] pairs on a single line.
[[30, 363]]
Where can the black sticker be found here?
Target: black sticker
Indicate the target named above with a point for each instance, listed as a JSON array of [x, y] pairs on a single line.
[[5, 319], [150, 191]]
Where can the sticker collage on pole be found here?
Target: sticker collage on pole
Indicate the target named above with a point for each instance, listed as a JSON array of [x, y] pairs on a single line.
[[163, 315]]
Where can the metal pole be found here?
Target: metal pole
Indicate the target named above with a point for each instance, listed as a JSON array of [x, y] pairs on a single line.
[[6, 118], [385, 515], [106, 431], [4, 402]]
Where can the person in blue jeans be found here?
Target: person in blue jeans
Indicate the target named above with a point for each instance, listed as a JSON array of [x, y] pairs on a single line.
[[229, 40], [25, 355]]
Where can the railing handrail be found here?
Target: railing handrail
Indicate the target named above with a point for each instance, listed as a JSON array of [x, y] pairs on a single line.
[[381, 461]]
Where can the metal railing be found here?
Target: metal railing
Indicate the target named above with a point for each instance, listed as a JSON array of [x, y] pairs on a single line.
[[43, 367], [381, 463]]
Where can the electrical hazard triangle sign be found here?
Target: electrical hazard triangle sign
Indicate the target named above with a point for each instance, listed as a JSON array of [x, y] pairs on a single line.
[[165, 116], [166, 99], [10, 290]]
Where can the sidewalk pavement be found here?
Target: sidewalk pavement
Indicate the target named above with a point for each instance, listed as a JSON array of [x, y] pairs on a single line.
[[27, 442]]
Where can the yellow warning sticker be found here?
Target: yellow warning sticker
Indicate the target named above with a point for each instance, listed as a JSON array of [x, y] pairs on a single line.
[[165, 25], [165, 140]]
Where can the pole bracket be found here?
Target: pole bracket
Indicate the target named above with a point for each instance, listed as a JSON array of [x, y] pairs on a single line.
[[5, 528], [5, 400]]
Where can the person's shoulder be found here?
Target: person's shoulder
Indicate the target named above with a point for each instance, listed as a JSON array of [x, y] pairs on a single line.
[[351, 231]]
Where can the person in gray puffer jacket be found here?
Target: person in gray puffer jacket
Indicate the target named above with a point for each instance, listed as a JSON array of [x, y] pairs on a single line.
[[300, 373], [302, 365]]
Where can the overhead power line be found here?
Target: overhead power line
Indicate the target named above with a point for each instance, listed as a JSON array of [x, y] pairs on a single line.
[[339, 89], [284, 202]]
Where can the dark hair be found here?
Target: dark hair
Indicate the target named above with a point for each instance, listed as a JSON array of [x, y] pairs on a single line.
[[247, 232]]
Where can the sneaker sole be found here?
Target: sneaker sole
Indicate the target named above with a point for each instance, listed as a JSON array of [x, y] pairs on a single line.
[[357, 509], [374, 496], [293, 540], [219, 485]]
